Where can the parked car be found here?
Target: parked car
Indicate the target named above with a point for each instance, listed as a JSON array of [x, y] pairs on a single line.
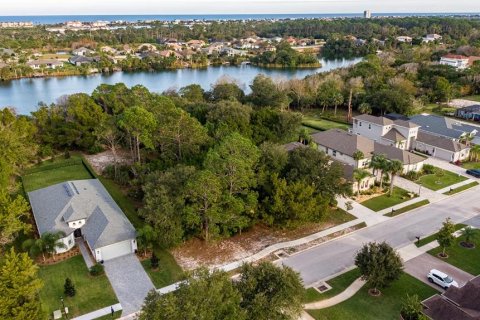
[[474, 172], [442, 279]]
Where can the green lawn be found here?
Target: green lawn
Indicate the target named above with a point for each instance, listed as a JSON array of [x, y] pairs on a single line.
[[431, 238], [338, 284], [471, 165], [50, 173], [463, 258], [92, 292], [462, 188], [385, 201], [436, 182], [408, 208], [168, 272], [364, 307], [116, 315], [323, 124], [473, 98], [338, 216]]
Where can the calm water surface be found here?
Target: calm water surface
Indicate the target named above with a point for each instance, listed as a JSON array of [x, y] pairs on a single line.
[[25, 94]]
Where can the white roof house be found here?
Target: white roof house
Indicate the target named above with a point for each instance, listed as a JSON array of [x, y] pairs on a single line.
[[84, 208]]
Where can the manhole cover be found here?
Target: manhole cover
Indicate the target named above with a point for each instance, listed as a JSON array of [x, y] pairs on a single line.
[[322, 288]]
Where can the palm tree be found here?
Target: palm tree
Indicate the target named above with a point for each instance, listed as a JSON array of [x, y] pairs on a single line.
[[357, 156], [469, 234], [394, 167], [474, 152], [48, 243], [358, 176], [379, 163]]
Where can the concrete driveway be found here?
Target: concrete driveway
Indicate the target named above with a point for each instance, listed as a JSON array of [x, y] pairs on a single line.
[[420, 266], [129, 281], [474, 222]]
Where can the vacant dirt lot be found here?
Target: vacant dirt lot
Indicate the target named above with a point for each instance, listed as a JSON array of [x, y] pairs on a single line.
[[195, 252], [101, 160]]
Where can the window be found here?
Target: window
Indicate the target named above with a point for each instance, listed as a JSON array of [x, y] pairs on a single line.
[[360, 124], [334, 153], [69, 241], [369, 126]]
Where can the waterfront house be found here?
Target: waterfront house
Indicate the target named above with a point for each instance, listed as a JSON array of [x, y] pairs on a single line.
[[44, 63], [84, 209]]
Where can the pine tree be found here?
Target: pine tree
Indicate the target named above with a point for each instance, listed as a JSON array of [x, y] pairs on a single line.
[[19, 286], [69, 288]]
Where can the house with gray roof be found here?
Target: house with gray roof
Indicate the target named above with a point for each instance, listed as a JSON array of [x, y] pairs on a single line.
[[447, 127], [397, 133], [471, 112], [441, 147], [342, 146], [84, 208]]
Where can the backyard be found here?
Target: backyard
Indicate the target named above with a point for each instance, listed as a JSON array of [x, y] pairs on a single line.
[[463, 258], [362, 306], [92, 292], [52, 172], [386, 201]]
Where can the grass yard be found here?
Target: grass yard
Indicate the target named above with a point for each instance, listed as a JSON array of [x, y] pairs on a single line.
[[52, 172], [462, 188], [323, 124], [385, 201], [431, 238], [92, 292], [338, 216], [168, 272], [473, 98], [436, 182], [116, 315], [364, 307], [466, 259], [338, 284], [408, 208], [471, 165]]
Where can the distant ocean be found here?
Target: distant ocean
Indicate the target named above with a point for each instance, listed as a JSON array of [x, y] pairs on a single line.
[[55, 19]]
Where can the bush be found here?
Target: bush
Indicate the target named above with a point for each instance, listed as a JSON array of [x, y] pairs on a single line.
[[428, 169], [69, 288], [67, 155], [154, 261], [412, 175], [411, 308], [97, 270]]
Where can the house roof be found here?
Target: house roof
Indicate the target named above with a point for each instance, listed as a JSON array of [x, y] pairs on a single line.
[[440, 142], [455, 56], [394, 135], [455, 303], [45, 62], [443, 126], [293, 145], [344, 142], [377, 120], [81, 59], [56, 205], [348, 143]]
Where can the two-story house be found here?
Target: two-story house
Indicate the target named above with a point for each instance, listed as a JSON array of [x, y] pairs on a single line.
[[397, 133]]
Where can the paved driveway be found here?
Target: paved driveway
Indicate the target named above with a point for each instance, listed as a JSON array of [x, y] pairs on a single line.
[[129, 281], [420, 266], [474, 222]]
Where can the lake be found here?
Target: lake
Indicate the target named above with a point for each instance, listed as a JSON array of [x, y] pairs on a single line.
[[25, 94]]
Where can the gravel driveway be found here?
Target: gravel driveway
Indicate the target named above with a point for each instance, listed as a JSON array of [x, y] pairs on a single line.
[[420, 266], [129, 281]]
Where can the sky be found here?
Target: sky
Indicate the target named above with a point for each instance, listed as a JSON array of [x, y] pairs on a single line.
[[83, 7]]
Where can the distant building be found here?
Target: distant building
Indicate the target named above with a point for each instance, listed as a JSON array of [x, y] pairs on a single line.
[[470, 112], [16, 24], [432, 38], [367, 14], [404, 39], [458, 61], [44, 63]]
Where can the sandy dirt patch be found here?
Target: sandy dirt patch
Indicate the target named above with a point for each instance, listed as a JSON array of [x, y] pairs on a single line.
[[101, 160]]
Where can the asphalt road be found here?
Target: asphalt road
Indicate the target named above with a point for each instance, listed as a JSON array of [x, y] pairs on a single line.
[[325, 260]]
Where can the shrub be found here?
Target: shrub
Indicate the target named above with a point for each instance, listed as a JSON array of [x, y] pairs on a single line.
[[411, 308], [67, 154], [69, 288], [412, 175], [428, 169], [154, 261], [97, 270]]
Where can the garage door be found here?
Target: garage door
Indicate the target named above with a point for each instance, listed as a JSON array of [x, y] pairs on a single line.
[[116, 250]]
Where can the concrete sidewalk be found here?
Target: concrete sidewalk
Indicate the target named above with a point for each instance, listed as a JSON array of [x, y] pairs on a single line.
[[363, 213], [449, 167], [455, 186], [401, 205], [343, 296], [426, 193], [99, 313]]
